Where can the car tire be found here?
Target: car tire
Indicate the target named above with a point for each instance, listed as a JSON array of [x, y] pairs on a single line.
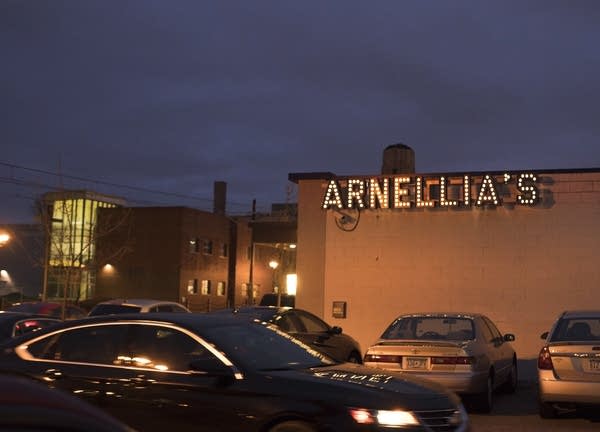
[[354, 357], [293, 426], [512, 380], [546, 410], [484, 401]]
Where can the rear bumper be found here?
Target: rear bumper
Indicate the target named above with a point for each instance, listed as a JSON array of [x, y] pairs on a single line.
[[458, 382], [554, 390]]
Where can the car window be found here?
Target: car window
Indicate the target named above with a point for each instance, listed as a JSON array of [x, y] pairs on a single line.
[[163, 348], [91, 344], [496, 335], [487, 334], [108, 309], [288, 323], [577, 329], [312, 323], [430, 327]]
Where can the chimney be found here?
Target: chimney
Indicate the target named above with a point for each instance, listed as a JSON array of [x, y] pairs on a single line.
[[219, 197]]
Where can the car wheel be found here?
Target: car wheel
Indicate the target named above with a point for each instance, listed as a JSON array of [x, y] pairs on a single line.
[[354, 357], [546, 410], [484, 401], [293, 426], [512, 380]]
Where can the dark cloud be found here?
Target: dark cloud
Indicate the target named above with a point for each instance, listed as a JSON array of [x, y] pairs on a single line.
[[172, 96]]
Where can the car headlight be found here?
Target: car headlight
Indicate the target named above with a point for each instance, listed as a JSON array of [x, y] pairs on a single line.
[[396, 418]]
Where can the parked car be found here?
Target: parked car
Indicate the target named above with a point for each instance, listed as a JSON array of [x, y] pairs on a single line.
[[273, 299], [223, 372], [27, 406], [309, 328], [14, 324], [463, 351], [569, 363], [53, 309], [118, 306]]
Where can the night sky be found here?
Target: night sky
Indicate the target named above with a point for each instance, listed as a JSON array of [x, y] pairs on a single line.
[[155, 100]]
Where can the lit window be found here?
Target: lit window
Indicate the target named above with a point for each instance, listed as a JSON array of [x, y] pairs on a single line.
[[220, 288], [205, 287], [192, 287], [194, 245]]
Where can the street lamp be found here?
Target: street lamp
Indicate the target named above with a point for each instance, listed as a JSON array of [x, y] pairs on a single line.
[[4, 238], [274, 264]]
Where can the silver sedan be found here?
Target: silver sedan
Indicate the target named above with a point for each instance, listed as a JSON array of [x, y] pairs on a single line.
[[569, 363], [463, 351]]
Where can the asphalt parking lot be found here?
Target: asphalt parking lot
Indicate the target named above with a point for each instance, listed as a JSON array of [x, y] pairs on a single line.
[[518, 413]]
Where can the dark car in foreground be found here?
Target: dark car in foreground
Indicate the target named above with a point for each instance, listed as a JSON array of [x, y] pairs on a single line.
[[309, 328], [14, 324], [569, 364], [223, 372], [465, 352], [29, 406]]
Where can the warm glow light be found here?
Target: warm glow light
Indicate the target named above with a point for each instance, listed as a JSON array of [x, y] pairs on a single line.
[[273, 264], [291, 281], [4, 238], [108, 268], [3, 273], [292, 246]]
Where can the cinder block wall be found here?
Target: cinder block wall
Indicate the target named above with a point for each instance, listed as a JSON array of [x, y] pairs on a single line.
[[521, 266]]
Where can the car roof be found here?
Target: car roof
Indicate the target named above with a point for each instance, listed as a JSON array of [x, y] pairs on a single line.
[[138, 302], [191, 321], [469, 315], [583, 313]]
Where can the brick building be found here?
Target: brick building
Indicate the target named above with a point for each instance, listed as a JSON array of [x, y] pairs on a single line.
[[519, 246]]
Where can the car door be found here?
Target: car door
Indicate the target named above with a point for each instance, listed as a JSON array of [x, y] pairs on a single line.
[[163, 387], [79, 360], [501, 351], [318, 334]]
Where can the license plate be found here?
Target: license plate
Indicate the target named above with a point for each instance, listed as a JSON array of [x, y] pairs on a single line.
[[415, 362], [595, 365]]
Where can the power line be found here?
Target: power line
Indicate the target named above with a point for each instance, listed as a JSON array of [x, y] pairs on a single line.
[[13, 180]]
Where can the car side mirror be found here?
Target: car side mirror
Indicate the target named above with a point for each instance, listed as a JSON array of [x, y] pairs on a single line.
[[509, 337], [544, 335]]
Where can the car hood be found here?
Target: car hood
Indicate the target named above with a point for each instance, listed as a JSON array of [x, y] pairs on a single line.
[[354, 384]]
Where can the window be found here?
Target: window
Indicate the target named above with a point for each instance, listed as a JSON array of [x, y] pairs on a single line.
[[207, 247], [220, 288], [312, 323], [163, 348], [192, 287], [91, 344], [205, 288], [194, 246], [224, 252]]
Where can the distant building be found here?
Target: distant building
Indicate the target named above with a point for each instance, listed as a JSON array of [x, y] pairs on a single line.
[[69, 218]]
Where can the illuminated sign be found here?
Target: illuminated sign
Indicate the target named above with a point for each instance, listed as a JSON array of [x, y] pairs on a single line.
[[453, 191]]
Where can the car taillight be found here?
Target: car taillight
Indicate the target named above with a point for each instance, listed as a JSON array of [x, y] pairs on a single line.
[[383, 358], [545, 360], [453, 360]]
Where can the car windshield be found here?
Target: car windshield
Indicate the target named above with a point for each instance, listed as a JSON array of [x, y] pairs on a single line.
[[108, 309], [263, 348], [577, 329], [425, 327]]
